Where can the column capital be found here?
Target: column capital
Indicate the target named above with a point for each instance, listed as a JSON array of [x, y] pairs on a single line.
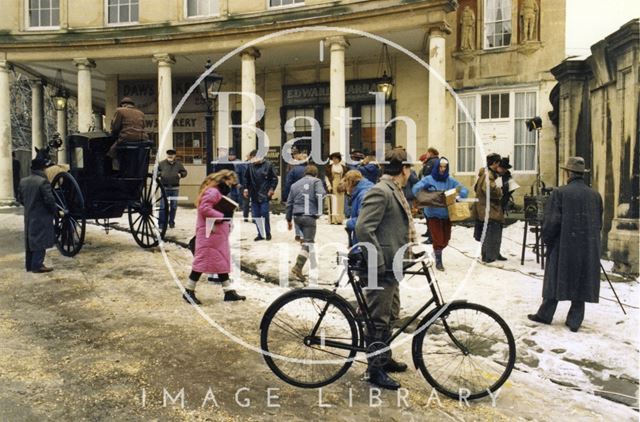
[[338, 41], [33, 83], [84, 63], [5, 66], [164, 59], [439, 29], [251, 51]]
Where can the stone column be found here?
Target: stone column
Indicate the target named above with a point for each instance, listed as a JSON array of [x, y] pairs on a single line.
[[165, 103], [37, 116], [85, 108], [6, 169], [248, 86], [337, 44], [61, 127], [437, 113]]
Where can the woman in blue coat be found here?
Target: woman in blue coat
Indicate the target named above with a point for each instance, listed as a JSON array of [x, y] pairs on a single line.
[[438, 218], [356, 186]]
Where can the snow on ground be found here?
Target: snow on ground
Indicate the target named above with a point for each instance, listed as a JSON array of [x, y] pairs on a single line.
[[601, 359]]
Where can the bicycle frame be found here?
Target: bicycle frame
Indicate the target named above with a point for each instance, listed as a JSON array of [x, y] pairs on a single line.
[[436, 297]]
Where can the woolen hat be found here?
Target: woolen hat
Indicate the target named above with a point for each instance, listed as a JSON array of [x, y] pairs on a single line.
[[575, 164], [127, 100]]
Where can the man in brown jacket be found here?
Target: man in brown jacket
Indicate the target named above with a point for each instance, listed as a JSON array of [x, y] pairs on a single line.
[[127, 125], [493, 236]]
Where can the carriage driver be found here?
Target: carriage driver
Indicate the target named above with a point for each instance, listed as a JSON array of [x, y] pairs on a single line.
[[127, 125]]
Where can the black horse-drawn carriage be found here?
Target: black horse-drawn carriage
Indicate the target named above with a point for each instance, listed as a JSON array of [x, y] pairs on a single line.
[[91, 189]]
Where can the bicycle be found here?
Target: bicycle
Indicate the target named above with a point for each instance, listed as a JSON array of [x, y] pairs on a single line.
[[458, 346]]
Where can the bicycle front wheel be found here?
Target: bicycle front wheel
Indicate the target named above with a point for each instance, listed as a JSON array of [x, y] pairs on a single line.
[[468, 351], [294, 352]]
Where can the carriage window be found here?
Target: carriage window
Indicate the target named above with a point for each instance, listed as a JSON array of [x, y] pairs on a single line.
[[78, 158]]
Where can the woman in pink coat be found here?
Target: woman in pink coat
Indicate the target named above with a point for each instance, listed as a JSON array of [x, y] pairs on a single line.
[[212, 252]]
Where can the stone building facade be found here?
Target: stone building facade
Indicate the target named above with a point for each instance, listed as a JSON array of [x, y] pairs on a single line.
[[495, 54], [598, 119]]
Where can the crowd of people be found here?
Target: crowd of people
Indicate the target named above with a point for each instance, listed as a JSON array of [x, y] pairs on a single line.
[[376, 204]]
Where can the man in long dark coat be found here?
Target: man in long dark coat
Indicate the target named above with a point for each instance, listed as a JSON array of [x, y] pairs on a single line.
[[36, 195], [571, 231]]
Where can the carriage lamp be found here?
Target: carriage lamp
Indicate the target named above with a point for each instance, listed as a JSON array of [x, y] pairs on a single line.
[[209, 89]]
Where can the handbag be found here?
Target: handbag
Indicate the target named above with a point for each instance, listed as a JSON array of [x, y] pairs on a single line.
[[430, 199], [459, 211]]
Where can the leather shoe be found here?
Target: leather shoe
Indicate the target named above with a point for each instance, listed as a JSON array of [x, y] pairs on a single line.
[[191, 294], [536, 318], [380, 378], [501, 258], [395, 366], [232, 296], [573, 329], [43, 269]]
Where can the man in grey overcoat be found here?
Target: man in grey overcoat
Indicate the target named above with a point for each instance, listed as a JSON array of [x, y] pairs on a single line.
[[36, 195], [385, 222], [571, 231]]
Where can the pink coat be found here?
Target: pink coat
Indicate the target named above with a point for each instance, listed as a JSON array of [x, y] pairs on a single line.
[[213, 254]]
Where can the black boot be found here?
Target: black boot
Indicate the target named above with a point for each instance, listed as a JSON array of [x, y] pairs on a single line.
[[394, 366], [232, 296], [377, 374], [191, 294]]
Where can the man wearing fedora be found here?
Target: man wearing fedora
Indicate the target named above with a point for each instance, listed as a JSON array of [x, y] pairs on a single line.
[[35, 194], [571, 231]]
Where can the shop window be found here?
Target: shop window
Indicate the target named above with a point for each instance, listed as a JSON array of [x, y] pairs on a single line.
[[190, 146], [466, 137], [44, 14], [525, 142], [494, 106], [302, 128], [497, 23], [368, 128], [122, 11], [284, 3], [202, 8]]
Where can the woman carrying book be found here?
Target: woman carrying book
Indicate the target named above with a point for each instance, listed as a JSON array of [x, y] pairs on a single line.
[[212, 253]]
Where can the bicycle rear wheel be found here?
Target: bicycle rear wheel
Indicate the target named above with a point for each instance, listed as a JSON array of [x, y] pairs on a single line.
[[299, 358], [468, 351]]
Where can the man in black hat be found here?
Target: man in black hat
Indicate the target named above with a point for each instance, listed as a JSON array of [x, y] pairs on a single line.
[[504, 167], [571, 231], [35, 194], [170, 171]]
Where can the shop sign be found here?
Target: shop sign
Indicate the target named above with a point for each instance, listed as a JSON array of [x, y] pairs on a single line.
[[145, 94], [319, 93]]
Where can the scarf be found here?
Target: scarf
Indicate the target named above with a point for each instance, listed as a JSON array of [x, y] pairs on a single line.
[[407, 209], [435, 171]]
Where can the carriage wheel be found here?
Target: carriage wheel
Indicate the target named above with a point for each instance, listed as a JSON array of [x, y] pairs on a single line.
[[144, 214], [70, 227]]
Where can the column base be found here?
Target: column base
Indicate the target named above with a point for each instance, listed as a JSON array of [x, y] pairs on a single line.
[[9, 202], [623, 249]]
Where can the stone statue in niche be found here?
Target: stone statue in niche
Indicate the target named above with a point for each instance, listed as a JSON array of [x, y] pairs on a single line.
[[468, 29], [529, 12]]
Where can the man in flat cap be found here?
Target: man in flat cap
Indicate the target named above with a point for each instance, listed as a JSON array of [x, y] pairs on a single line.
[[127, 125], [571, 231]]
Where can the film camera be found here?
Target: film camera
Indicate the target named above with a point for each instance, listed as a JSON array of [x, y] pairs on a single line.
[[534, 205]]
